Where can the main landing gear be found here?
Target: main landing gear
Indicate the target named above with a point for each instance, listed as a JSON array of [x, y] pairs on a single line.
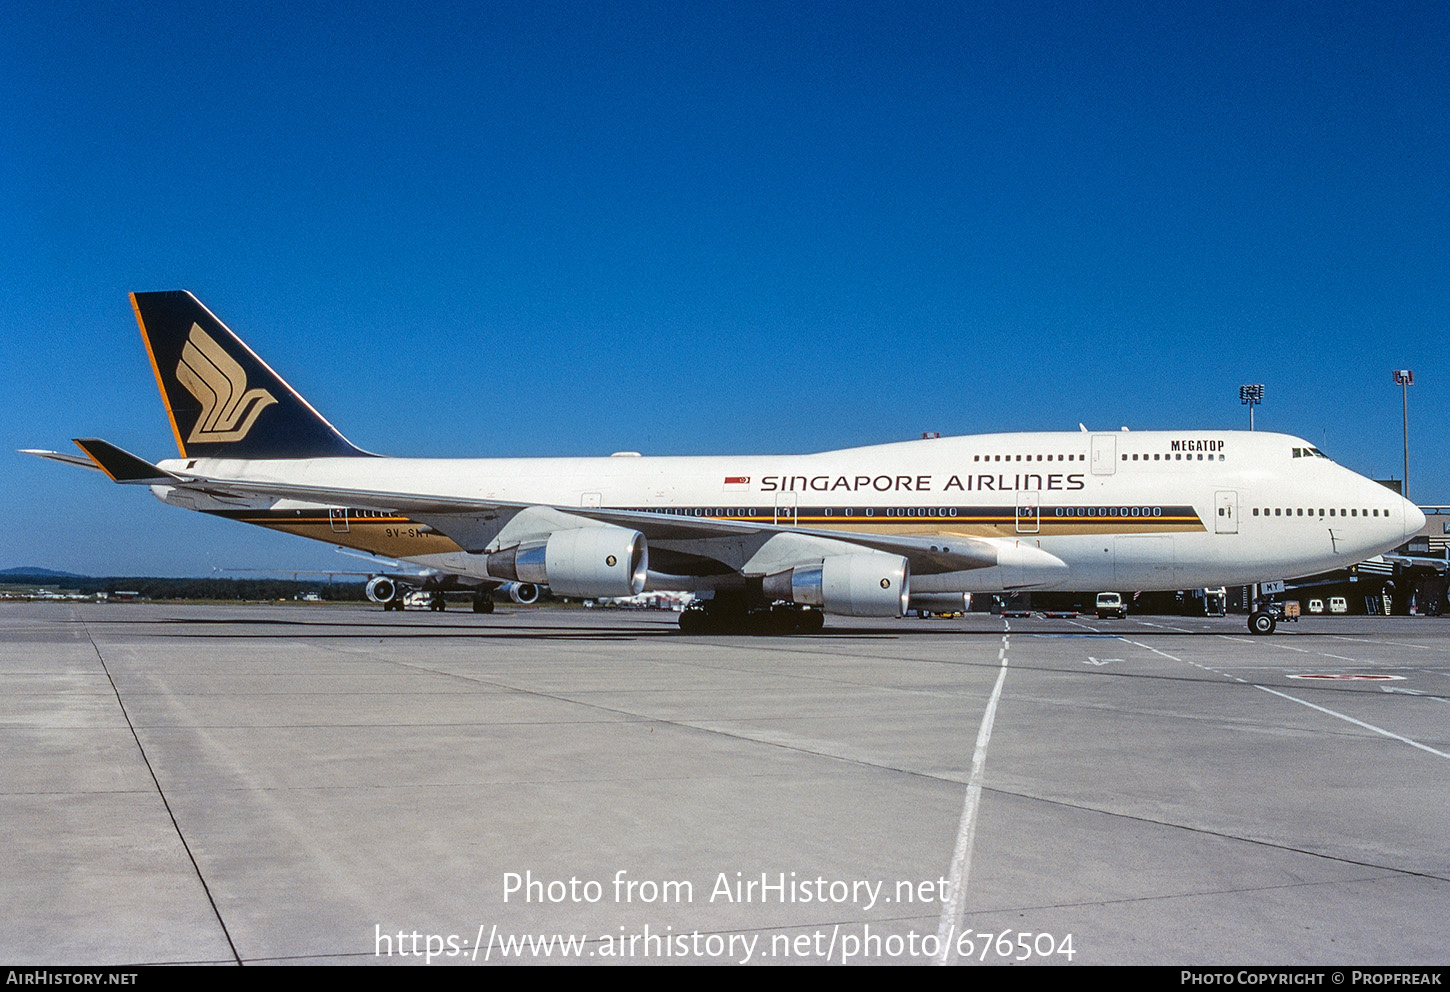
[[732, 616]]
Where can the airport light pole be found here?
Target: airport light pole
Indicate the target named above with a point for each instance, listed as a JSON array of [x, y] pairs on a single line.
[[1405, 379], [1252, 395]]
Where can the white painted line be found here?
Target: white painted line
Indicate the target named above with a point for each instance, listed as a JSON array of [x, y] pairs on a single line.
[[1321, 709], [1181, 661], [1413, 692], [1357, 723], [1398, 644], [954, 913], [1164, 626]]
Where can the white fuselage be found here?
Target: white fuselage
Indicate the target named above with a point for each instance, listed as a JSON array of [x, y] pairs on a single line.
[[1124, 510]]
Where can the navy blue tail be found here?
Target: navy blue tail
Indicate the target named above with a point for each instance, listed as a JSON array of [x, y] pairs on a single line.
[[224, 401]]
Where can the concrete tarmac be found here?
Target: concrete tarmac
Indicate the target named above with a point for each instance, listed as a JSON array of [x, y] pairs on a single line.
[[332, 784]]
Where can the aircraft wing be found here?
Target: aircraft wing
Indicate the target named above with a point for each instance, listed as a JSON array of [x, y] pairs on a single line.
[[928, 555], [479, 525], [1420, 561]]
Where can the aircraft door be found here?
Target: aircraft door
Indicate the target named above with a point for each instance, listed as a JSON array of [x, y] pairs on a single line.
[[1105, 454], [1029, 519], [785, 509], [1226, 512], [337, 516]]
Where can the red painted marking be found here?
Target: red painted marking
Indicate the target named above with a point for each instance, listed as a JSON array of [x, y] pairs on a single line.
[[1352, 678]]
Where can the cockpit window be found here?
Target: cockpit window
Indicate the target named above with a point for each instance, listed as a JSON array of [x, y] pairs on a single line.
[[1309, 453]]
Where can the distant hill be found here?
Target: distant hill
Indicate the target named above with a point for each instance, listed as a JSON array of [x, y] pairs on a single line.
[[155, 587], [32, 572]]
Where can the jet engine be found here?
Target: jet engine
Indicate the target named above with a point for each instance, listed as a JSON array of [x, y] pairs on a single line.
[[382, 590], [523, 593], [869, 584], [941, 602], [599, 560]]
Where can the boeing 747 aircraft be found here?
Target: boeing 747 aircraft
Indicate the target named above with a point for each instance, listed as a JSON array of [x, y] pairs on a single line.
[[769, 542]]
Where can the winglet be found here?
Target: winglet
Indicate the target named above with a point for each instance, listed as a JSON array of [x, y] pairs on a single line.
[[120, 465]]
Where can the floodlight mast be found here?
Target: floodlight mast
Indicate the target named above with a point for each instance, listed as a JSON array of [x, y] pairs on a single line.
[[1405, 378], [1251, 395]]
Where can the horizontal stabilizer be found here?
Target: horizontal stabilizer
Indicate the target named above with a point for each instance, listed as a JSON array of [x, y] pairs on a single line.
[[120, 465], [80, 461]]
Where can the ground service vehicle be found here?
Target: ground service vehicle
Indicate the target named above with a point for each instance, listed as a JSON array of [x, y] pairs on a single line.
[[1110, 604]]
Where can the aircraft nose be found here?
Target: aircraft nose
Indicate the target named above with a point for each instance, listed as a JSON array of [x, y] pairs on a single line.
[[1414, 519]]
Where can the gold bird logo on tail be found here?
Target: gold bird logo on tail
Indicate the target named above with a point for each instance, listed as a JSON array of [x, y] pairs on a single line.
[[228, 407]]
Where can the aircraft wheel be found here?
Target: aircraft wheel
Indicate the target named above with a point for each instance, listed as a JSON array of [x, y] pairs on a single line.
[[1261, 623], [483, 605], [692, 622]]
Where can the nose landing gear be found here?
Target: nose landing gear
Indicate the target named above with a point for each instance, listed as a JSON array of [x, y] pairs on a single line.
[[1262, 622]]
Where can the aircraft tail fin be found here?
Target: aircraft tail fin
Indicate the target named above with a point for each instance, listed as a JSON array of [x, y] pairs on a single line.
[[224, 401]]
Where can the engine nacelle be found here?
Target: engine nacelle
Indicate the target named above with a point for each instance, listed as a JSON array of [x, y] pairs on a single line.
[[941, 602], [869, 584], [522, 593], [382, 590], [602, 560]]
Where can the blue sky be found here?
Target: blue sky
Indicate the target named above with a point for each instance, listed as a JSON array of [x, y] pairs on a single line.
[[574, 228]]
